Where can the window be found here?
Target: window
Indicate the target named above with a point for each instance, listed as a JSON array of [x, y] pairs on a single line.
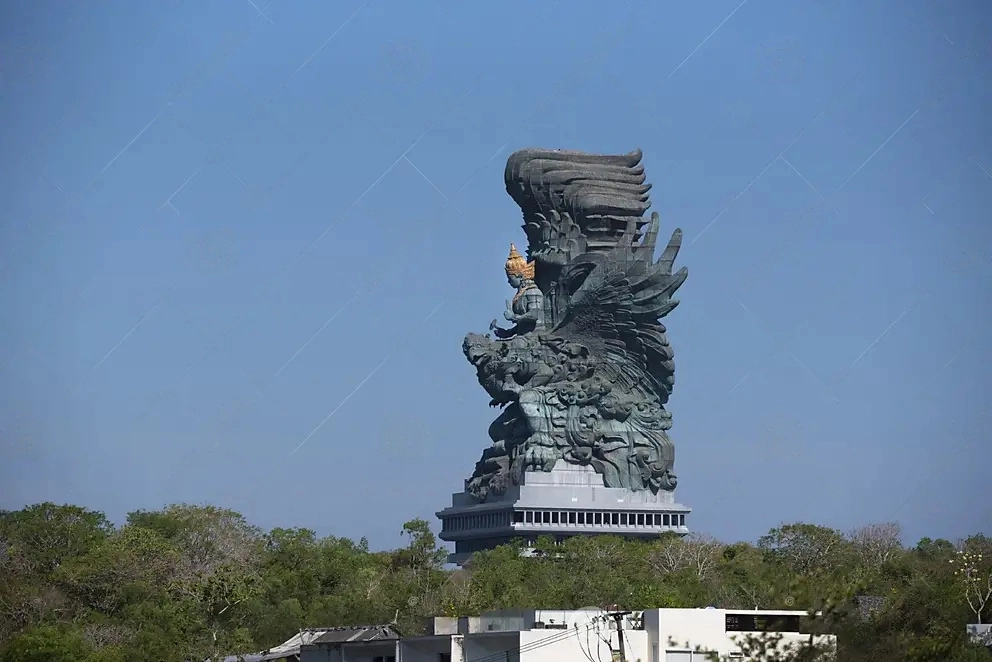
[[657, 519], [666, 520], [615, 519], [623, 519], [599, 518], [571, 518], [761, 623], [554, 518], [640, 519], [546, 517], [518, 516], [582, 518], [681, 520], [529, 517]]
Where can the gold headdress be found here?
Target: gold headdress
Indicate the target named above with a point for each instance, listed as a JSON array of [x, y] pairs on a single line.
[[516, 265]]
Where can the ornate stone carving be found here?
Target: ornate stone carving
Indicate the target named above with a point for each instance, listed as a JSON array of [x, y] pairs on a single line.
[[586, 369]]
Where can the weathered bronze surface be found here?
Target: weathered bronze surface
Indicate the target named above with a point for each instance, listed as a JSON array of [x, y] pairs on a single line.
[[585, 369]]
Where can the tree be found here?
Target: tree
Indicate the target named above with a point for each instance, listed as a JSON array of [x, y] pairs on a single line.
[[192, 582], [875, 544], [39, 538], [46, 644], [806, 549], [747, 582], [696, 553], [209, 537], [132, 563], [975, 577]]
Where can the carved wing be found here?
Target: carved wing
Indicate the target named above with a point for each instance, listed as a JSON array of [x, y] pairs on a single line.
[[573, 203], [615, 302]]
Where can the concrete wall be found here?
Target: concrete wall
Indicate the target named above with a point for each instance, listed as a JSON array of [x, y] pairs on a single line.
[[668, 635], [705, 629], [319, 654], [442, 625], [368, 651], [568, 489], [428, 648], [583, 643], [490, 646]]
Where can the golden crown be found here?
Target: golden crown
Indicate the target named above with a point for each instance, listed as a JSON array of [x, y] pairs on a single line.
[[516, 265]]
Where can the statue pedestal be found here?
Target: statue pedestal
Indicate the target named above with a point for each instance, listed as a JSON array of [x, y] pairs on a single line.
[[568, 501]]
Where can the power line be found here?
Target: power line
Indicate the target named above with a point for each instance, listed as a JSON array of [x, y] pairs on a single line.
[[535, 645]]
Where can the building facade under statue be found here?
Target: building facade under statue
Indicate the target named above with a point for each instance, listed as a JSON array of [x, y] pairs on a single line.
[[567, 501]]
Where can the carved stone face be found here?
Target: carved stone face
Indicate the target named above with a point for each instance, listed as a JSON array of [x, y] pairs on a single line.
[[514, 280], [478, 349]]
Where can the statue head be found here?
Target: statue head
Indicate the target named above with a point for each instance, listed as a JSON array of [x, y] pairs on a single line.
[[518, 269]]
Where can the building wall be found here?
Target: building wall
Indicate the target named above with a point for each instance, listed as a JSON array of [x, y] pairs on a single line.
[[429, 649], [490, 647], [569, 500], [369, 651], [670, 630], [348, 652], [668, 635], [319, 654], [583, 643]]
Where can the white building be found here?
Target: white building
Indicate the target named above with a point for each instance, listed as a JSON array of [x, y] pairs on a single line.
[[981, 634], [656, 635]]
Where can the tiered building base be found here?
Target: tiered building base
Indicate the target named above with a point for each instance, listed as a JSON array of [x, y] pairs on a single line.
[[568, 501]]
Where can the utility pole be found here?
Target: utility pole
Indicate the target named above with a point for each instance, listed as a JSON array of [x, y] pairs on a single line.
[[618, 617]]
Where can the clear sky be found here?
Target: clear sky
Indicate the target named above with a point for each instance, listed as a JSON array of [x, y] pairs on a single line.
[[240, 244]]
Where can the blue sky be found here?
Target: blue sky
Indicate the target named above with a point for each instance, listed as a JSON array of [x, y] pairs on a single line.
[[241, 243]]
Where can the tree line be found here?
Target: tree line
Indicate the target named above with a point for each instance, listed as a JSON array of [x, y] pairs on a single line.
[[193, 582]]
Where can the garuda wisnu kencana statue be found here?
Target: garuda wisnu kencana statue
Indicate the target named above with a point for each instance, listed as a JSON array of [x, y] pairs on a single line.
[[584, 369]]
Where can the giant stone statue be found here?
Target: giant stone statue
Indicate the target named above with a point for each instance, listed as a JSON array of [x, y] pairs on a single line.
[[584, 369]]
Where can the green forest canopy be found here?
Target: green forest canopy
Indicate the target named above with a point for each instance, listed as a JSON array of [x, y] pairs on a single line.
[[191, 582]]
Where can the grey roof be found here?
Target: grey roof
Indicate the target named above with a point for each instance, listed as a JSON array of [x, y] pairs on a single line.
[[357, 633], [291, 647]]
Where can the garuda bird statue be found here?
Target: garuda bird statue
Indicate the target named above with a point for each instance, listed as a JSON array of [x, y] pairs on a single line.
[[584, 369]]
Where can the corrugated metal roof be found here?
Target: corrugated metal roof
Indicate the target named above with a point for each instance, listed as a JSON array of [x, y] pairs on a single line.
[[357, 633], [291, 646]]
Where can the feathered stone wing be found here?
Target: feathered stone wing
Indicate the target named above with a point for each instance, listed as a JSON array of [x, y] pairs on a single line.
[[615, 302], [574, 203]]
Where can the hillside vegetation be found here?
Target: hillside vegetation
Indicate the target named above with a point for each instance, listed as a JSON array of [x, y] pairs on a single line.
[[192, 582]]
